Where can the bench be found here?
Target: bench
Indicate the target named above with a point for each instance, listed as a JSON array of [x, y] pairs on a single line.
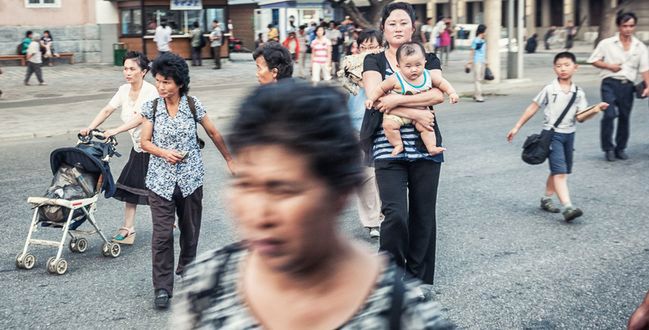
[[22, 59]]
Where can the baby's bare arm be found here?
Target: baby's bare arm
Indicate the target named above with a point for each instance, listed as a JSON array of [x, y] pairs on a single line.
[[383, 88], [440, 82]]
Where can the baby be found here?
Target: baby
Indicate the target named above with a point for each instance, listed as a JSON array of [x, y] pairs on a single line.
[[411, 78]]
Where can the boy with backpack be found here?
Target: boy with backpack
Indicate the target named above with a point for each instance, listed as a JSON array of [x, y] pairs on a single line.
[[560, 100]]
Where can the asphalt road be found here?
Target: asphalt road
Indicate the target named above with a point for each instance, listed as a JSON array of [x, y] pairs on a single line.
[[502, 262]]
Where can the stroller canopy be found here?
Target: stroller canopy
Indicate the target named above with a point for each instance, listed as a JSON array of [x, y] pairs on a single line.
[[88, 159]]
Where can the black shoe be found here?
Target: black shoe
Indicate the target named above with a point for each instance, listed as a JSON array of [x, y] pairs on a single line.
[[161, 300], [620, 154], [610, 155], [570, 214], [548, 206]]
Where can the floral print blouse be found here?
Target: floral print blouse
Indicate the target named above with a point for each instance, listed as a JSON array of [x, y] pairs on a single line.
[[177, 133], [209, 299]]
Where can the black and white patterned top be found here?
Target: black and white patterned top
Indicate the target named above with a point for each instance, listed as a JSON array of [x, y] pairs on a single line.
[[177, 133], [208, 299]]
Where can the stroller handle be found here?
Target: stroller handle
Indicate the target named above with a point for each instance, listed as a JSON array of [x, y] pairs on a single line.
[[97, 134]]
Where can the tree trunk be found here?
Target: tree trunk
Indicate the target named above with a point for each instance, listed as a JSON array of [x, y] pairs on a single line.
[[371, 20], [607, 24]]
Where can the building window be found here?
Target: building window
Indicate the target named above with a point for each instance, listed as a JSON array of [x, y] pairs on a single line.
[[131, 22], [218, 14], [42, 3]]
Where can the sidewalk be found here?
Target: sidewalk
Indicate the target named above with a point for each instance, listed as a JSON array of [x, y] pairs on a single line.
[[75, 93]]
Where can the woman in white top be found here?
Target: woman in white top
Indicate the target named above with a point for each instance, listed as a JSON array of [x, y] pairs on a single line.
[[130, 97]]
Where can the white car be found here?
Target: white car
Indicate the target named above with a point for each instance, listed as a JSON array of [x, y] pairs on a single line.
[[465, 33]]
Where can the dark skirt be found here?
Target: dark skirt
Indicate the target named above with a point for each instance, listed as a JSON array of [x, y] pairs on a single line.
[[131, 187]]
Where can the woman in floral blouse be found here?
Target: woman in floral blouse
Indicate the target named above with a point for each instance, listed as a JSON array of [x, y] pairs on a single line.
[[175, 175]]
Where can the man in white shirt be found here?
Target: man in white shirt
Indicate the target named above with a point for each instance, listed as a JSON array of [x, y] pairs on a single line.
[[621, 58], [34, 60], [215, 43], [162, 37]]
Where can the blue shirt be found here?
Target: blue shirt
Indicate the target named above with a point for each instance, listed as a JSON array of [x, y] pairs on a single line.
[[177, 133], [356, 105], [479, 45]]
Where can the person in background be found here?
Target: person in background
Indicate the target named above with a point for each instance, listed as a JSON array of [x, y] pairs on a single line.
[[175, 174], [197, 35], [417, 36], [351, 74], [292, 267], [130, 97], [427, 35], [230, 28], [273, 33], [293, 45], [571, 32], [547, 36], [259, 41], [47, 47], [478, 59], [216, 40], [445, 43], [336, 38], [34, 59], [621, 59], [26, 42], [273, 63], [531, 44], [303, 40], [320, 56], [162, 37]]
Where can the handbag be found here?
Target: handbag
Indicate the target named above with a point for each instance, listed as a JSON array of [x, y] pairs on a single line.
[[536, 147], [639, 88], [488, 74]]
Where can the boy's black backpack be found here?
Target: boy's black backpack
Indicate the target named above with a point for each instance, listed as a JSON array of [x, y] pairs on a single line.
[[202, 43]]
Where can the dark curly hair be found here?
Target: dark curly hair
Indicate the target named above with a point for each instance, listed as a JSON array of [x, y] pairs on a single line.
[[277, 57], [310, 121], [170, 65], [139, 58]]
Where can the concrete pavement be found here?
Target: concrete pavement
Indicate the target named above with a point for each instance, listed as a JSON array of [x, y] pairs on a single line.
[[75, 93]]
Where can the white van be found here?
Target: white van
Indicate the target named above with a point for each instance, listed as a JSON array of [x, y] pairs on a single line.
[[465, 33]]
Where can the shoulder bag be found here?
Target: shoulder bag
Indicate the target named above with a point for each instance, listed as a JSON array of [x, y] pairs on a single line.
[[536, 147]]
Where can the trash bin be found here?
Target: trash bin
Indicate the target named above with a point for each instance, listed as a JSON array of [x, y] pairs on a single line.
[[119, 52]]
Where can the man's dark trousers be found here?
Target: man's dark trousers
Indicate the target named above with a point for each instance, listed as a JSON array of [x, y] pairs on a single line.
[[216, 53], [619, 95]]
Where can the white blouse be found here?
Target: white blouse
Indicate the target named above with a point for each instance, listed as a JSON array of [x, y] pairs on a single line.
[[131, 108]]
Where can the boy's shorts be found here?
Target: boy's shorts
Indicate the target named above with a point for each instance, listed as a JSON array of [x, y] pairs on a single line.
[[561, 151], [400, 120]]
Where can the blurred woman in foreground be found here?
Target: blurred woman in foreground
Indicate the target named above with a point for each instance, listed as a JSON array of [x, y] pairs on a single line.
[[295, 172]]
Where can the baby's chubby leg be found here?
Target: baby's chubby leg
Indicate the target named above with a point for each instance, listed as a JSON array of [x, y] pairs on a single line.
[[430, 141], [391, 128]]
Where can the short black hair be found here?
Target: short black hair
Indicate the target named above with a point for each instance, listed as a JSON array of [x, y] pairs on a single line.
[[215, 21], [49, 34], [567, 55], [28, 33], [481, 29], [310, 121], [276, 57], [270, 26], [170, 65], [141, 59], [370, 34], [195, 24], [387, 10], [625, 17], [409, 48]]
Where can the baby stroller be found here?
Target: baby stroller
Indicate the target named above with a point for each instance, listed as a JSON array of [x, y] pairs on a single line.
[[80, 174]]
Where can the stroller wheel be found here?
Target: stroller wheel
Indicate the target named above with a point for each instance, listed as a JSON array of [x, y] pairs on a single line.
[[58, 267], [111, 250], [25, 261], [79, 245], [29, 261]]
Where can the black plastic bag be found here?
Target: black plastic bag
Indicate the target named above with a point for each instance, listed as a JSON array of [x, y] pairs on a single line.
[[536, 148]]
